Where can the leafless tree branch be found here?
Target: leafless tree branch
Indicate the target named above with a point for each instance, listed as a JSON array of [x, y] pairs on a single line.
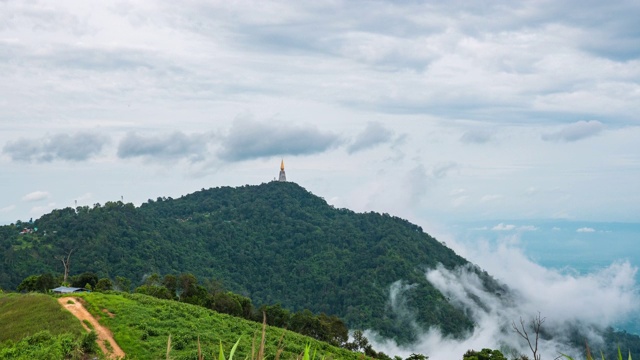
[[536, 326], [66, 263]]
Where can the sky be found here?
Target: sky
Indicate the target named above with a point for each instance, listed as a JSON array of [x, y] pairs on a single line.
[[433, 111]]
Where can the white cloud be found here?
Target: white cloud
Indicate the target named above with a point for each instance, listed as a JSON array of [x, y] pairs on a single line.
[[441, 170], [481, 228], [36, 196], [373, 135], [459, 201], [7, 208], [249, 139], [477, 136], [585, 230], [576, 131], [503, 227], [77, 147], [528, 228], [166, 147], [511, 227], [493, 197]]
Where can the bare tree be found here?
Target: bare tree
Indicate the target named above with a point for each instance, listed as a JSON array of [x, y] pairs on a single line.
[[66, 262], [535, 326]]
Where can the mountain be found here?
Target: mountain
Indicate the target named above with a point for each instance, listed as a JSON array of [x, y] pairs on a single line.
[[274, 243]]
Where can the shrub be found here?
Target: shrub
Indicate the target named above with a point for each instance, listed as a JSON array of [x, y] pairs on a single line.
[[104, 284], [88, 342]]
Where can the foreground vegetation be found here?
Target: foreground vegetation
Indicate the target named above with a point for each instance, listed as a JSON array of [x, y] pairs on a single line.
[[186, 288], [24, 315], [142, 324], [34, 326]]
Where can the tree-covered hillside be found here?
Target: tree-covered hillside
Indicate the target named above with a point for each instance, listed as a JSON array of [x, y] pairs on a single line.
[[274, 242]]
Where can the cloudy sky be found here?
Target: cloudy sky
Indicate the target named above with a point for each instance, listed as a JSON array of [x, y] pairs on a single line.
[[428, 110]]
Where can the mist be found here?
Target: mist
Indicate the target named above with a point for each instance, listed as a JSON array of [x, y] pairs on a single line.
[[564, 298]]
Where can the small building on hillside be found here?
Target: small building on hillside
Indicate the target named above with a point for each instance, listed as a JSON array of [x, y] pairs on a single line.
[[68, 290]]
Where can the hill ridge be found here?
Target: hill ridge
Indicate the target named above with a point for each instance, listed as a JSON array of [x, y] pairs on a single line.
[[275, 242]]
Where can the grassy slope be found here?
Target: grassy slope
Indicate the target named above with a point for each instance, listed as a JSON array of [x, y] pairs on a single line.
[[142, 324], [24, 315]]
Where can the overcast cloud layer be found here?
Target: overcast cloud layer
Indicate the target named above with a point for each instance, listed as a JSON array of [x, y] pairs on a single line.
[[428, 110]]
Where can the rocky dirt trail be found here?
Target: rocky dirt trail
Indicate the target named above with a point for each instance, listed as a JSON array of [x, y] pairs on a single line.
[[104, 334]]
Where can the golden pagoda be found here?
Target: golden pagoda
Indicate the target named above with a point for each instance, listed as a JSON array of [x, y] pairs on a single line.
[[283, 176]]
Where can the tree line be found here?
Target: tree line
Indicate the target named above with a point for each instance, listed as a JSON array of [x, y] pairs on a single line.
[[212, 295]]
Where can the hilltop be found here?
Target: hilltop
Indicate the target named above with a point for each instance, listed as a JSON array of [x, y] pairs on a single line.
[[274, 243]]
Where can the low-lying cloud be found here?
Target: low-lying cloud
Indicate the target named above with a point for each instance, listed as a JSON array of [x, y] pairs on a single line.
[[36, 196], [373, 135], [176, 145], [503, 227], [249, 139], [78, 147], [477, 136], [511, 227], [576, 131], [589, 303]]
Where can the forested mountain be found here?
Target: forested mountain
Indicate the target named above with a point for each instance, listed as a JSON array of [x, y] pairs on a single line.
[[275, 243]]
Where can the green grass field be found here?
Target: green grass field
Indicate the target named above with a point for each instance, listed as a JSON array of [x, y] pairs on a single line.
[[142, 324], [34, 326], [24, 315]]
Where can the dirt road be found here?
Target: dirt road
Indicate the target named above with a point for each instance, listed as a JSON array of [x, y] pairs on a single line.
[[103, 333]]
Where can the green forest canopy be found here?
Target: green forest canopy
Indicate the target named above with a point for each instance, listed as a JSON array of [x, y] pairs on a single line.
[[274, 243]]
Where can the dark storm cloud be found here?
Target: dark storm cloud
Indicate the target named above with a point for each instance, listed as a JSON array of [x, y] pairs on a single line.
[[173, 146], [78, 147], [249, 139], [374, 134], [576, 131]]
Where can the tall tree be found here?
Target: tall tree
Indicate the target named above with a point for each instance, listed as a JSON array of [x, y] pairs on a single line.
[[66, 263]]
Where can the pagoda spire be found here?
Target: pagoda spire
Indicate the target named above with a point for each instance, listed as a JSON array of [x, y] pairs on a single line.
[[283, 176]]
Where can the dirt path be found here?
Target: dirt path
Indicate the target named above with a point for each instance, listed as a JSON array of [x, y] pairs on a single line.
[[103, 333]]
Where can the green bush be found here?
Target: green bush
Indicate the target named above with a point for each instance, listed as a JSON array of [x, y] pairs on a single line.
[[484, 354], [88, 342], [45, 346]]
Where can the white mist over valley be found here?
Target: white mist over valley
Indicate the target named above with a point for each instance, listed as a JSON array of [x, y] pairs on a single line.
[[590, 300]]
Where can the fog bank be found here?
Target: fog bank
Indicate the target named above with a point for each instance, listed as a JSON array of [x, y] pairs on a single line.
[[564, 298]]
